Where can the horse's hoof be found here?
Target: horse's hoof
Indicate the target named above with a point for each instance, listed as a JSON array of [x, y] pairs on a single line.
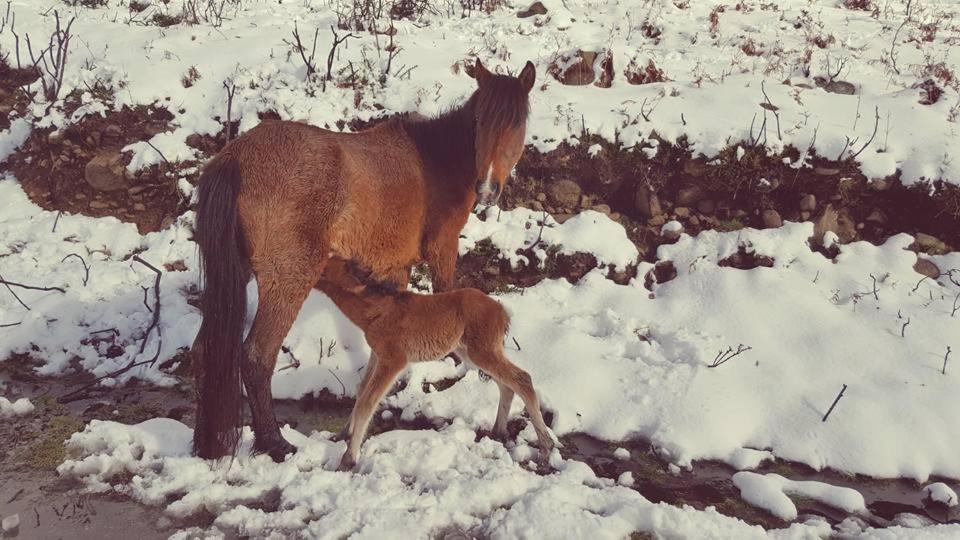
[[500, 435], [278, 450]]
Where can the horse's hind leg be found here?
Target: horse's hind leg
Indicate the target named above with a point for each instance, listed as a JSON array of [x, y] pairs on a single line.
[[281, 294], [503, 411]]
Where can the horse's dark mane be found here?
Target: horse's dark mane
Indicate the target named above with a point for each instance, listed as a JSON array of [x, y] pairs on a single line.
[[448, 143]]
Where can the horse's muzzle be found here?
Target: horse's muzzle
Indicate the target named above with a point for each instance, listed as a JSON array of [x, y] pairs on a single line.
[[488, 193]]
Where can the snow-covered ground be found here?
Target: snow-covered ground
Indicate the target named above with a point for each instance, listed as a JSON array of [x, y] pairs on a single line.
[[714, 58], [614, 361]]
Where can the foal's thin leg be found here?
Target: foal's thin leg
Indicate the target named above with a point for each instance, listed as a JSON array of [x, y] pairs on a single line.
[[384, 373], [371, 363], [503, 411], [280, 301], [505, 372]]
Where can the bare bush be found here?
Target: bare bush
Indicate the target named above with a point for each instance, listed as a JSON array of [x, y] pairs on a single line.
[[51, 61]]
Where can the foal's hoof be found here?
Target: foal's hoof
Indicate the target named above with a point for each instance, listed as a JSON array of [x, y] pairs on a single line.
[[346, 464], [277, 450]]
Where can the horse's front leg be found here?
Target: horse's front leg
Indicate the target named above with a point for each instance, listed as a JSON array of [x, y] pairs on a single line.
[[441, 258]]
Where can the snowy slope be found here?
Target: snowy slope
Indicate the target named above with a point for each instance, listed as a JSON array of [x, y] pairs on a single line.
[[714, 60]]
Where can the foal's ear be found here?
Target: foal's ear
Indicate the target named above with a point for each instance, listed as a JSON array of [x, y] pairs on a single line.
[[527, 77], [481, 74]]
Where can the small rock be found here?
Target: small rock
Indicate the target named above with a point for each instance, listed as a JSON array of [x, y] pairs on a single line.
[[536, 205], [689, 196], [166, 222], [575, 69], [492, 270], [615, 216], [584, 201], [671, 231], [536, 8], [139, 207], [877, 216], [647, 203], [657, 221], [194, 140], [826, 171], [80, 196], [772, 219], [880, 184], [694, 221], [706, 206], [926, 267], [840, 87], [106, 171], [805, 215], [682, 212], [928, 244], [542, 197], [55, 137], [564, 193], [11, 525], [97, 205], [560, 218], [808, 203], [602, 208], [838, 223]]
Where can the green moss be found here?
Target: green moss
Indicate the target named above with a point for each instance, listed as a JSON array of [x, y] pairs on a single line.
[[733, 224], [48, 451]]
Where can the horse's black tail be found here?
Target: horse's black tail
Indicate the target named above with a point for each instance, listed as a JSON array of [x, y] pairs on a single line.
[[219, 345]]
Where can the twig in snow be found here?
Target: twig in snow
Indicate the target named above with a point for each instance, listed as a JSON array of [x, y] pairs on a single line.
[[903, 329], [298, 46], [337, 40], [816, 277], [956, 305], [945, 357], [917, 286], [724, 356], [294, 364], [830, 410], [112, 330], [893, 43], [874, 291], [86, 268], [231, 89], [56, 220], [8, 325], [159, 153], [876, 124], [10, 284], [339, 381], [156, 309], [515, 343], [769, 106]]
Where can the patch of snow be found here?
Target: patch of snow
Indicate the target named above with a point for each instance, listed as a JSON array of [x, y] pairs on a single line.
[[625, 479], [621, 453], [15, 408], [769, 492], [13, 137]]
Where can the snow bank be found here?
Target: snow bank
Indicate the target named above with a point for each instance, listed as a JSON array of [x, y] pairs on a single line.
[[15, 408], [770, 493]]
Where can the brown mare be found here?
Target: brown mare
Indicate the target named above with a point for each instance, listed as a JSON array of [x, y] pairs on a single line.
[[403, 327], [279, 200]]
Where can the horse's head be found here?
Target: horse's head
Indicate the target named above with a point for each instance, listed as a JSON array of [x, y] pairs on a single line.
[[500, 106]]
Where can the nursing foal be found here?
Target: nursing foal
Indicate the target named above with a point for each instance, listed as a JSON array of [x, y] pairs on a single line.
[[403, 327]]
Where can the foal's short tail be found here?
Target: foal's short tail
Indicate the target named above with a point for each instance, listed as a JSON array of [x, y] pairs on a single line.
[[219, 345]]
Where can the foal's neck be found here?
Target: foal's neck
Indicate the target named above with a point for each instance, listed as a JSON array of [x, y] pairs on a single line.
[[447, 148]]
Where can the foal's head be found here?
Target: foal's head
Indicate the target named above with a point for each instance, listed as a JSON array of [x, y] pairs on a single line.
[[500, 108]]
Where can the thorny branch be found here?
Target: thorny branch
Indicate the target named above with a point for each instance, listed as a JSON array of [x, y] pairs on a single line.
[[724, 356], [79, 393]]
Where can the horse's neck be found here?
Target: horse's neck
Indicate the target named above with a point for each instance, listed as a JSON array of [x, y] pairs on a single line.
[[361, 309], [447, 148]]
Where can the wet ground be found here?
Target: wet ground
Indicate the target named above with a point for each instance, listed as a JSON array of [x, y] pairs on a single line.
[[52, 507]]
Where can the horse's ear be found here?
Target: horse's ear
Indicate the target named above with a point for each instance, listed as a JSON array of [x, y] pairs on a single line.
[[480, 73], [527, 77]]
